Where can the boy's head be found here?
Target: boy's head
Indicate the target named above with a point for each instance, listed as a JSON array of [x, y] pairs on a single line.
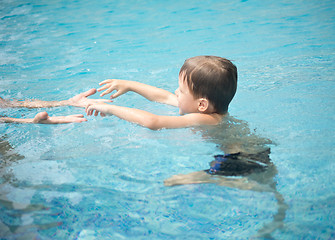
[[211, 78]]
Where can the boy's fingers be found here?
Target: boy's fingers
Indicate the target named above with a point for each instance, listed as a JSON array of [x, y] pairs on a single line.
[[105, 81], [106, 92], [103, 88], [88, 110], [115, 95]]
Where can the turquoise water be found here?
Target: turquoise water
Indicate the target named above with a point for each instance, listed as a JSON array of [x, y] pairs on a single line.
[[103, 179]]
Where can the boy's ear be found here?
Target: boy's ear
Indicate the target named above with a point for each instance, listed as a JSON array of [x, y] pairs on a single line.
[[203, 105]]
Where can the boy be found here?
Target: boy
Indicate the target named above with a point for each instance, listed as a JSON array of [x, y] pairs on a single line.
[[80, 100], [207, 84]]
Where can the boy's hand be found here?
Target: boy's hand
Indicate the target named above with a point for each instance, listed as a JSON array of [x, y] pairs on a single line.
[[81, 99], [44, 118], [94, 109], [121, 87]]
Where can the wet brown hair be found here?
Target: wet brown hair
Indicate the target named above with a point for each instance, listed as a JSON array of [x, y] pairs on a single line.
[[213, 78]]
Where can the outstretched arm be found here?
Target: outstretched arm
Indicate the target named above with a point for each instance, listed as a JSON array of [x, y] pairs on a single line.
[[80, 100], [44, 118], [153, 121], [31, 103], [149, 92]]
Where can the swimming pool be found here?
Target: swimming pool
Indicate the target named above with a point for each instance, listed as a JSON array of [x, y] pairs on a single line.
[[103, 179]]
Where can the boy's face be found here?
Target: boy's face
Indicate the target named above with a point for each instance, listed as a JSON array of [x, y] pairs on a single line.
[[186, 101]]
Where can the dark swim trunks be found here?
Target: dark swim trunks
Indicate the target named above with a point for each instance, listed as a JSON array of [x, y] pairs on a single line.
[[239, 164]]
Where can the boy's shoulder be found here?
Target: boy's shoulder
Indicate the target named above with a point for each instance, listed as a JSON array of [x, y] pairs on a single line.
[[204, 118]]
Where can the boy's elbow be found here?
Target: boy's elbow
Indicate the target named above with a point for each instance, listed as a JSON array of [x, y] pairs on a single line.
[[153, 126], [152, 123]]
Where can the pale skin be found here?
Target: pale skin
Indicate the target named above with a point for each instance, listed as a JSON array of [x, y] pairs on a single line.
[[194, 111], [203, 177], [44, 118], [80, 100]]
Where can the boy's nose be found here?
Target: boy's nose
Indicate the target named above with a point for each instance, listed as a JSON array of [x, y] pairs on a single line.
[[177, 91]]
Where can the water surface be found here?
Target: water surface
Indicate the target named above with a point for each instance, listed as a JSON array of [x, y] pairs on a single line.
[[104, 178]]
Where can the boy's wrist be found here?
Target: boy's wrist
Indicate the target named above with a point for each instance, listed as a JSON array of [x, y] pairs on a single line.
[[129, 85]]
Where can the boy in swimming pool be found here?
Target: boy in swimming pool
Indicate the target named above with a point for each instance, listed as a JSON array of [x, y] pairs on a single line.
[[80, 100], [207, 84]]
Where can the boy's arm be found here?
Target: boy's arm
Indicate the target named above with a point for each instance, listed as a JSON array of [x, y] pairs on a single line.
[[149, 92], [80, 100], [153, 121], [44, 118]]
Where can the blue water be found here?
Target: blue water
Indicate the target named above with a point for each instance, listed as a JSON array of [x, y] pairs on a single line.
[[103, 179]]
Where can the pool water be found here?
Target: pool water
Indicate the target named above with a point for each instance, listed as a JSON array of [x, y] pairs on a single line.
[[104, 179]]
